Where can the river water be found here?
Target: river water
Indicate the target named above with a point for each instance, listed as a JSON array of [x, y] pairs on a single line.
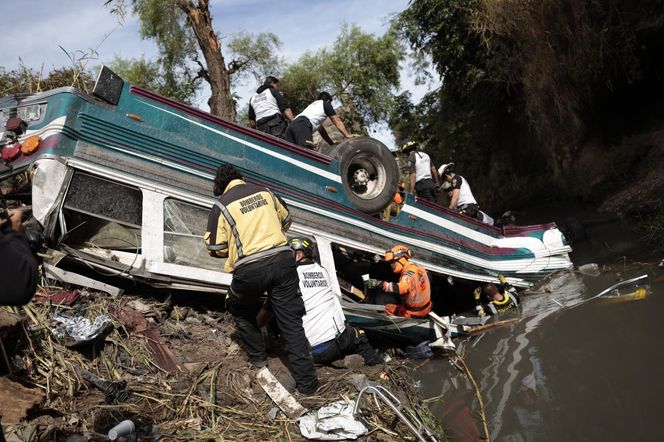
[[570, 368]]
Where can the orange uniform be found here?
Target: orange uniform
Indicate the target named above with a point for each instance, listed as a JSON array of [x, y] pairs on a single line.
[[414, 286]]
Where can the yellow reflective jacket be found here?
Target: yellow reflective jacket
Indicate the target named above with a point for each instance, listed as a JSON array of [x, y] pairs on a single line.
[[246, 223]]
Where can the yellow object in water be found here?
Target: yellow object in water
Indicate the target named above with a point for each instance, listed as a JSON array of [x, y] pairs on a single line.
[[636, 295]]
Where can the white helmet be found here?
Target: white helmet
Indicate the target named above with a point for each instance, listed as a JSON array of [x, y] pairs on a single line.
[[449, 167]]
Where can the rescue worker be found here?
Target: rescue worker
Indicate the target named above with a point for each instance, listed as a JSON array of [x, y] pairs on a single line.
[[497, 298], [246, 226], [413, 285], [461, 199], [482, 216], [269, 110], [423, 175], [330, 336], [302, 128], [394, 207]]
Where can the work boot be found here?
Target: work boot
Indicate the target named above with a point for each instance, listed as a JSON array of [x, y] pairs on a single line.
[[301, 392], [260, 363]]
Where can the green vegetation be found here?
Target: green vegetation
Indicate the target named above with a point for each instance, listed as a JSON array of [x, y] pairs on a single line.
[[534, 95], [528, 86], [360, 69]]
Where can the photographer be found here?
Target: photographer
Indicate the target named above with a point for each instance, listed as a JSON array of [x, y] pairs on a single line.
[[18, 266]]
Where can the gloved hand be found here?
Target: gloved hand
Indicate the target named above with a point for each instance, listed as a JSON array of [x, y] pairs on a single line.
[[477, 293], [372, 283], [480, 311], [502, 279]]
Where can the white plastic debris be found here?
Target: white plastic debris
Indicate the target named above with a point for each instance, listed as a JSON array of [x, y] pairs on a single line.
[[334, 421]]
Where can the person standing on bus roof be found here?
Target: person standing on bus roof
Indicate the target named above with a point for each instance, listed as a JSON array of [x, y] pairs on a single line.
[[269, 111], [423, 175]]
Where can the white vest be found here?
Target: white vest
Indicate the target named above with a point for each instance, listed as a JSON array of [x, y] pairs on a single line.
[[465, 194], [315, 113], [264, 104], [324, 319], [422, 166]]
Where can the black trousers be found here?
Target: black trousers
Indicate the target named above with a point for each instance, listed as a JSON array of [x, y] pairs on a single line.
[[350, 342], [274, 125], [471, 210], [277, 276], [300, 132], [426, 189]]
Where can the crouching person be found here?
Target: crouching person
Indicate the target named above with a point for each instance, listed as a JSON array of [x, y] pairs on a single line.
[[413, 287], [324, 323]]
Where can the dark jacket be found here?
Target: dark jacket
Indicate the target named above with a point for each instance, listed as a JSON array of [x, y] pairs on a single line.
[[18, 268]]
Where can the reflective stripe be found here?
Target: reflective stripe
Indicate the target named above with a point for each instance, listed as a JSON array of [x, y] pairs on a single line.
[[223, 245], [419, 295], [278, 202], [231, 222], [420, 308], [261, 255], [506, 298]]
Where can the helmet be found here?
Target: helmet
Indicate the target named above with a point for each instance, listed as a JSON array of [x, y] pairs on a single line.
[[449, 167], [304, 244], [409, 146], [397, 252], [398, 257]]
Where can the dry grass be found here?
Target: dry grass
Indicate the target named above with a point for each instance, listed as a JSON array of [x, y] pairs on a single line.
[[213, 399]]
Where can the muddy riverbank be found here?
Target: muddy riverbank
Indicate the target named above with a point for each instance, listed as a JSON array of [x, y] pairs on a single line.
[[175, 368]]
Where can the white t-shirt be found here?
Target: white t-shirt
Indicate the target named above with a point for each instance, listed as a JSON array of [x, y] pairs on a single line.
[[420, 163], [465, 194], [324, 319], [264, 104], [317, 112]]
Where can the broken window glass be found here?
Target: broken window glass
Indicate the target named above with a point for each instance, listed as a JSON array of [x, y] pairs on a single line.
[[184, 227], [102, 213]]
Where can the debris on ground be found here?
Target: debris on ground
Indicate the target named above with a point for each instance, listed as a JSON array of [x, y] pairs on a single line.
[[175, 366]]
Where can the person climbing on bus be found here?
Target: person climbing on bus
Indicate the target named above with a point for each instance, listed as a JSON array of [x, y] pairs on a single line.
[[462, 199], [423, 175], [413, 286], [301, 129], [330, 336], [482, 216], [497, 298], [394, 207], [269, 111]]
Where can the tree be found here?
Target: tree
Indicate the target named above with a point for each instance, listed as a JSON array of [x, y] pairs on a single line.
[[150, 75], [360, 69], [183, 32], [525, 84]]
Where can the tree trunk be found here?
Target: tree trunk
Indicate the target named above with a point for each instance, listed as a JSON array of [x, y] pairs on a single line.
[[221, 102]]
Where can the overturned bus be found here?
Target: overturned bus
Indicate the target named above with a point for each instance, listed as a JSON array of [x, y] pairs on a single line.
[[121, 182]]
